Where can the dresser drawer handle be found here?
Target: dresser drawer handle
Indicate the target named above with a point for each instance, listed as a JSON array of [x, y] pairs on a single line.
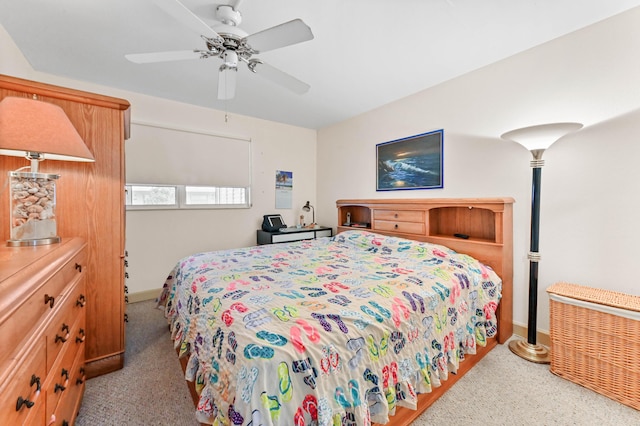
[[395, 215], [79, 267], [35, 380], [81, 338], [59, 387], [21, 401], [50, 300], [61, 339], [80, 380], [65, 374], [395, 226], [81, 301], [64, 327]]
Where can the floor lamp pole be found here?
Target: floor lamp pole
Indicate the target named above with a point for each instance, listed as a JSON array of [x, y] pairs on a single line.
[[534, 255], [530, 350]]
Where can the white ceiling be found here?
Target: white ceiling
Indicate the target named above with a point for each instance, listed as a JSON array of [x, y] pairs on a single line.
[[366, 53]]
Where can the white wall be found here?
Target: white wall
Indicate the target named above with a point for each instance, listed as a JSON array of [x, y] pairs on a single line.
[[156, 240], [590, 196]]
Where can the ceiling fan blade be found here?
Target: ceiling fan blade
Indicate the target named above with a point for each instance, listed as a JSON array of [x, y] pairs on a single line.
[[174, 55], [279, 77], [227, 82], [282, 35], [183, 14]]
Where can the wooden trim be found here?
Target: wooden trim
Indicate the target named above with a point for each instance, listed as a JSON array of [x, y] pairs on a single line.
[[43, 89], [98, 367]]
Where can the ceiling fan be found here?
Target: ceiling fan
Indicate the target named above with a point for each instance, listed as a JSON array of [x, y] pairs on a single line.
[[233, 45]]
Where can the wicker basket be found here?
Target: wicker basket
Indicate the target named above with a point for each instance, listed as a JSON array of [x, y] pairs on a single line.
[[595, 340]]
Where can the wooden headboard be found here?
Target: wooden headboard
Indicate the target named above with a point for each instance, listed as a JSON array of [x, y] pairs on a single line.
[[479, 227]]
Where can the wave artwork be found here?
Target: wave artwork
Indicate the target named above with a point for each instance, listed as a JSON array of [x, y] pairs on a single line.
[[410, 163]]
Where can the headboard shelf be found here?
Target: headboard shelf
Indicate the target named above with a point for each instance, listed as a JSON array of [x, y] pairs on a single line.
[[487, 222]]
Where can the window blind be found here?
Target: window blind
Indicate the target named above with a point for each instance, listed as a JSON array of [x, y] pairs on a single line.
[[160, 154]]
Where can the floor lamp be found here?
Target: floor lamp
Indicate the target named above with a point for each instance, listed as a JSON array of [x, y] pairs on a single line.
[[536, 139]]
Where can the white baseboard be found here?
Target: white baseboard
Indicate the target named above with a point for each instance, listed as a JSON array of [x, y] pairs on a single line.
[[141, 296]]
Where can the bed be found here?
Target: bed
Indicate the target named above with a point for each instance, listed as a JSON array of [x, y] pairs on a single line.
[[360, 328]]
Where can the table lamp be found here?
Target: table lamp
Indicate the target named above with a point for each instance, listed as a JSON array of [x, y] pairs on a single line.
[[308, 207], [38, 131]]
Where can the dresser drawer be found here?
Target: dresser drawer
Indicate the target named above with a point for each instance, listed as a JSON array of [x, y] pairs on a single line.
[[417, 228], [399, 215], [59, 332], [22, 400], [61, 380], [34, 308], [69, 401]]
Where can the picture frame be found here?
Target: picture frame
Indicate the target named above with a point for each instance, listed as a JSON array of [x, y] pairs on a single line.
[[414, 162]]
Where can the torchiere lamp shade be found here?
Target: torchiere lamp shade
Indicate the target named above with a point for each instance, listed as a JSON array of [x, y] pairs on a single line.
[[541, 136]]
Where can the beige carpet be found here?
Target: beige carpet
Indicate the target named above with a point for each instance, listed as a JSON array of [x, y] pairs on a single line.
[[501, 390]]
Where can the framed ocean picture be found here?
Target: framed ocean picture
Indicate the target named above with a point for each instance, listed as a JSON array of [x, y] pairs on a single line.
[[414, 162]]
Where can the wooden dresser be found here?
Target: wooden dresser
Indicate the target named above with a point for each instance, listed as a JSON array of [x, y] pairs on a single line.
[[90, 205], [42, 328]]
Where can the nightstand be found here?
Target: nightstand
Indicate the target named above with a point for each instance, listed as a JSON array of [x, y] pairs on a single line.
[[265, 237]]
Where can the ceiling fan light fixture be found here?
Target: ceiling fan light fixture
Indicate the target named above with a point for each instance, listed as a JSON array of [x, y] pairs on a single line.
[[230, 58], [227, 82]]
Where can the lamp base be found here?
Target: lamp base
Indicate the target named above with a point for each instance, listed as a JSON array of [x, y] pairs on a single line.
[[534, 353], [33, 242]]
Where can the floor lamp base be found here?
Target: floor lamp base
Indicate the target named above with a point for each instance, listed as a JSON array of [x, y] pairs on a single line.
[[534, 353]]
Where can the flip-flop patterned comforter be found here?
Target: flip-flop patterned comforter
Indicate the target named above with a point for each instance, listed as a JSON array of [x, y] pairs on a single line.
[[334, 331]]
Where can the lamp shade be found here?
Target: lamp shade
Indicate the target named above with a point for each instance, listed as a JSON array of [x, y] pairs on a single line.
[[28, 125], [541, 136]]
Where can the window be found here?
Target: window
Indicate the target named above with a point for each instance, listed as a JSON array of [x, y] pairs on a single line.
[[155, 197], [192, 160], [151, 195], [215, 196]]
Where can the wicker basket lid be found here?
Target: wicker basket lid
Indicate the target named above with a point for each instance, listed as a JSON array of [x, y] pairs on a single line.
[[596, 295]]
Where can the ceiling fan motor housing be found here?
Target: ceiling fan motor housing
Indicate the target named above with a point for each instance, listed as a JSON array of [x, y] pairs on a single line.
[[227, 15]]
